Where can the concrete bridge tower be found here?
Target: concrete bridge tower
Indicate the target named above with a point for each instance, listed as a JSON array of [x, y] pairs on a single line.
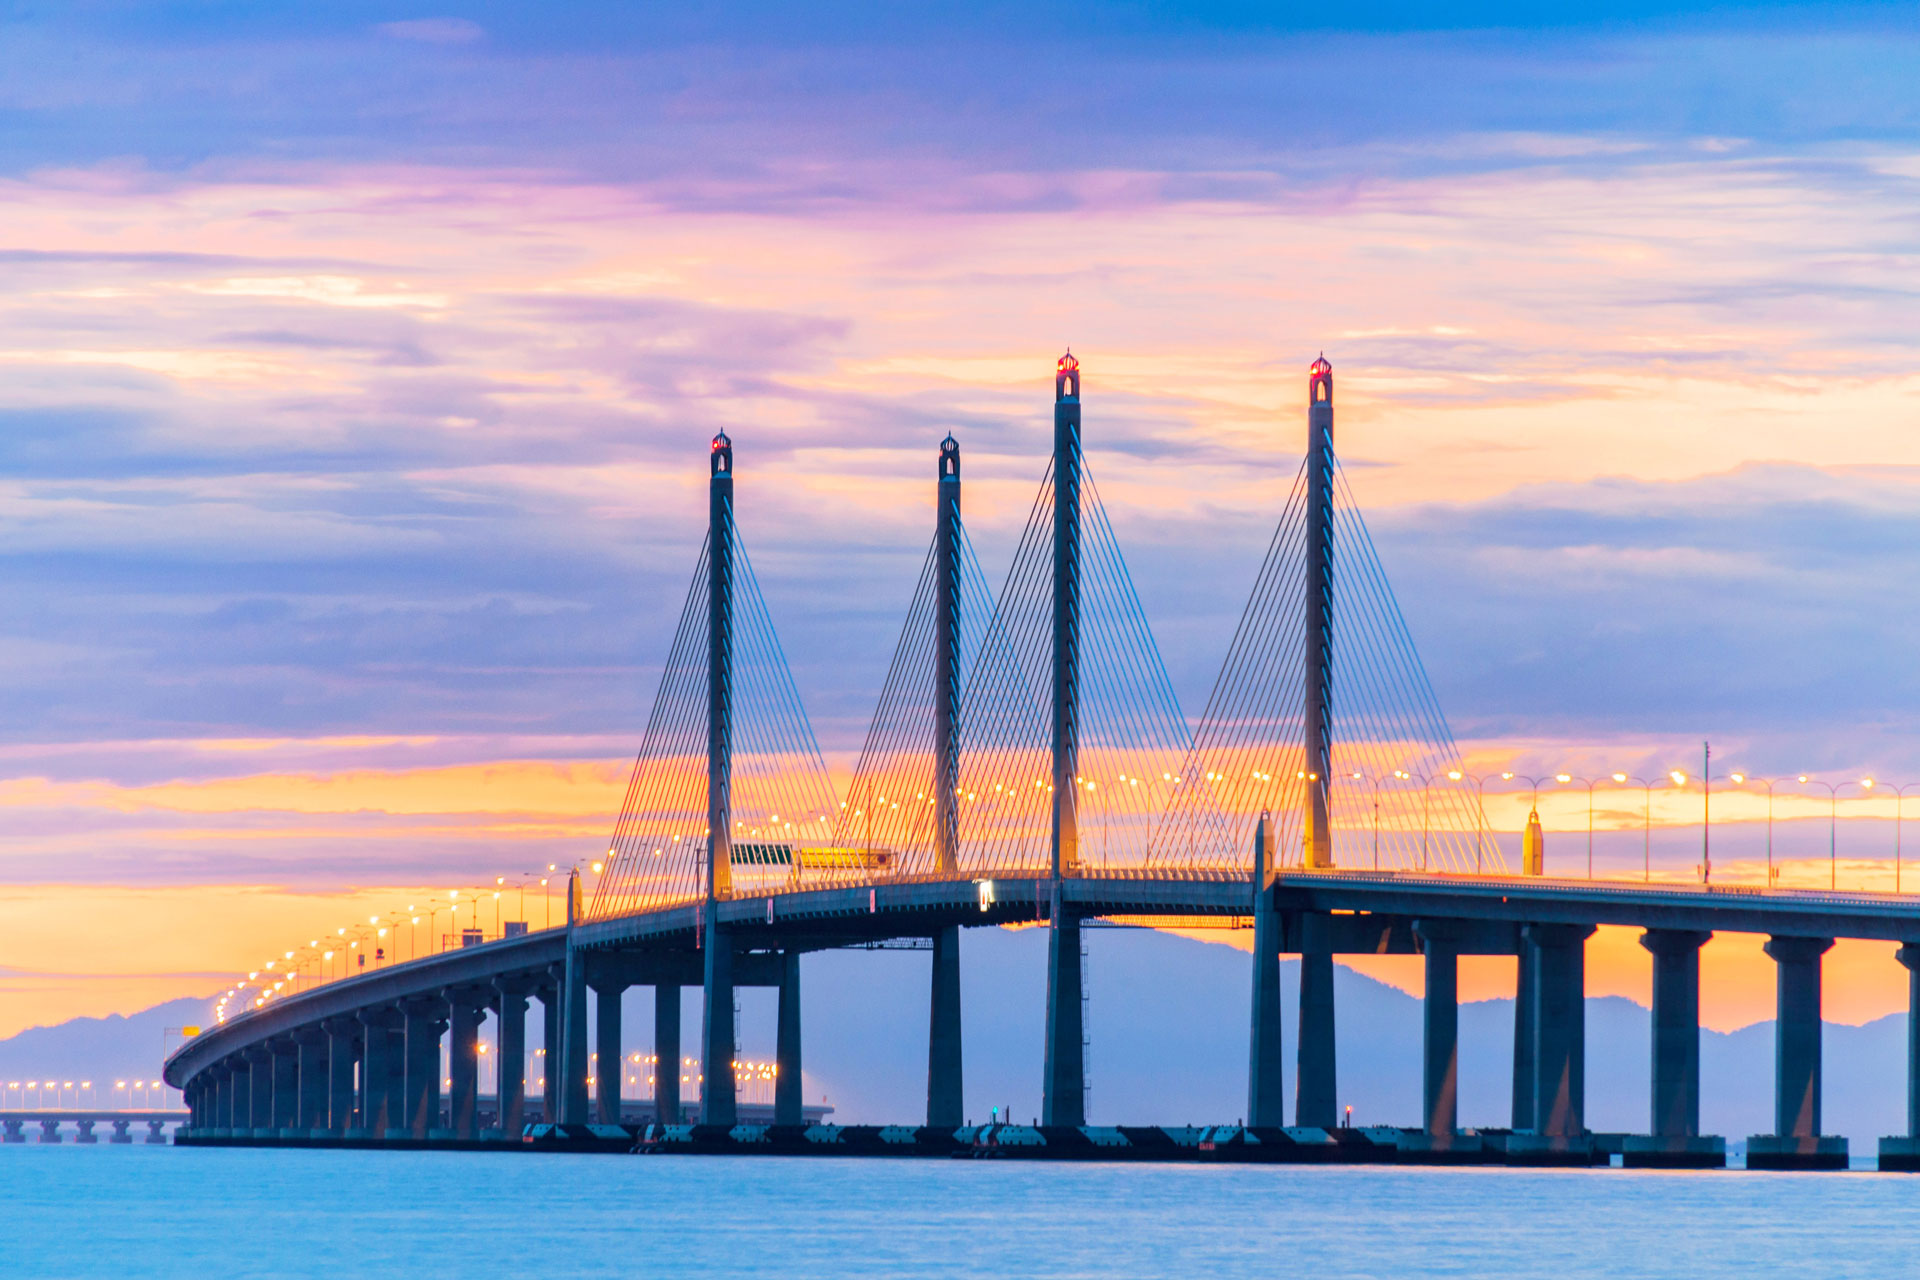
[[1064, 1091], [1317, 850], [717, 1104], [945, 1094]]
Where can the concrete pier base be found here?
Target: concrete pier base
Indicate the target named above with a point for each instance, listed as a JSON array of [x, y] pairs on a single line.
[[1768, 1151], [1900, 1155], [1673, 1151], [1545, 1149]]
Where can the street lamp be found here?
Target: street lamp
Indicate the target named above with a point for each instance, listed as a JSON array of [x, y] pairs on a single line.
[[1833, 823], [1479, 810], [1740, 780], [1588, 783], [1899, 804], [1533, 801], [1375, 784], [1646, 821]]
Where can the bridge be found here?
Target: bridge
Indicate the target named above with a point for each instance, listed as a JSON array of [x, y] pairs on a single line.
[[1028, 763]]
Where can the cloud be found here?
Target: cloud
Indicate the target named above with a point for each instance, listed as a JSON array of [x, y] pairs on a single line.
[[435, 30]]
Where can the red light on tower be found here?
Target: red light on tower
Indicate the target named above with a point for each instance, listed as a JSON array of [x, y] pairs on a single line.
[[1320, 383], [1068, 362], [1066, 378]]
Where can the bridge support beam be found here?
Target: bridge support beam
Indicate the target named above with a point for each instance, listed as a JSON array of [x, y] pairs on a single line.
[[1796, 1142], [286, 1087], [1441, 1032], [1316, 1070], [1064, 1101], [609, 1070], [1676, 1030], [1266, 1085], [510, 1050], [236, 1113], [946, 1106], [311, 1114], [1560, 1028], [573, 1044], [343, 1047], [425, 1021], [377, 1115], [666, 1053], [718, 1101], [786, 1057], [550, 1018], [260, 1094], [467, 1009], [1523, 999], [1909, 955]]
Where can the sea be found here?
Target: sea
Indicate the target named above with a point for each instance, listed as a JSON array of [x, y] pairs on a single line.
[[72, 1211]]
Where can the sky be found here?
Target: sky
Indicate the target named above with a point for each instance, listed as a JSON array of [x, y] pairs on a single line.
[[358, 363]]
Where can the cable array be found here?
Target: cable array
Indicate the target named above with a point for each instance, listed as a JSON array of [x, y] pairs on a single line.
[[1391, 801], [782, 801]]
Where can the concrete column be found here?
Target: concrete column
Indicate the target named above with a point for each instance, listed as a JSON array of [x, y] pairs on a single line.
[[1316, 1090], [396, 1083], [574, 1037], [420, 1111], [1910, 957], [609, 1068], [376, 1065], [666, 1053], [550, 1016], [1796, 1058], [946, 1107], [343, 1049], [718, 1103], [1266, 1087], [239, 1095], [1676, 1030], [1441, 1041], [1523, 998], [1063, 1098], [511, 1069], [260, 1069], [786, 1055], [312, 1106], [286, 1084], [1560, 1028], [467, 1010]]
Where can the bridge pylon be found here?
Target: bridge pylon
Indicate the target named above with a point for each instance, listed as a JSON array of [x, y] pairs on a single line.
[[1064, 1092], [946, 1095], [717, 1100]]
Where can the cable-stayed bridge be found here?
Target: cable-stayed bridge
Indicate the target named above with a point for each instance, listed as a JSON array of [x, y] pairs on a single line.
[[1028, 762]]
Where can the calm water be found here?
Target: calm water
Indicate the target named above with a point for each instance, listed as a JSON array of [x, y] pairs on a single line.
[[120, 1212]]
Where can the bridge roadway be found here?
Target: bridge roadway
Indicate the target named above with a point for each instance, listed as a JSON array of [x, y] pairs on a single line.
[[361, 1056]]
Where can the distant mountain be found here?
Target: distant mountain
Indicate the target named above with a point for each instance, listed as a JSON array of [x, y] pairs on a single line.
[[102, 1050], [1167, 1026]]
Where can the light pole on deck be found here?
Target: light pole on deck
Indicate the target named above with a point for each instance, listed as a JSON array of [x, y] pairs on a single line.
[[1646, 821], [1588, 783]]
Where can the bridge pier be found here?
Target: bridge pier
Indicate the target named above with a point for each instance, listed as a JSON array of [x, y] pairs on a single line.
[[1064, 1101], [1796, 1142], [1523, 998], [1316, 1089], [1902, 1154], [310, 1112], [609, 1069], [946, 1104], [666, 1053], [1673, 1137], [420, 1112], [343, 1050], [1559, 1032], [786, 1057], [120, 1134], [1441, 1032], [550, 1017], [718, 1102], [283, 1119], [260, 1073], [1266, 1085], [467, 1010], [573, 1044], [510, 1045], [378, 1117]]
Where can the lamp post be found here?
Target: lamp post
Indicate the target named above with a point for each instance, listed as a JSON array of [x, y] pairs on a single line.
[[1899, 805], [1426, 814], [1833, 822], [1646, 822], [1588, 783], [1741, 780], [1375, 784], [1533, 789], [1479, 810]]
